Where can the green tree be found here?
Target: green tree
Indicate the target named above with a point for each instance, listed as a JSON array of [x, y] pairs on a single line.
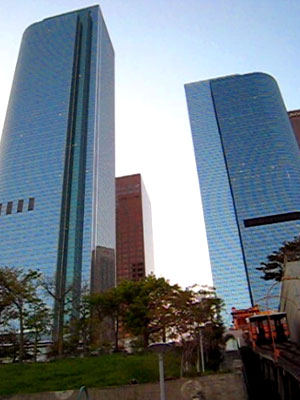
[[139, 298], [157, 311], [273, 269], [61, 302], [19, 289], [78, 330], [6, 309], [83, 321], [38, 321], [197, 313], [163, 316], [108, 306]]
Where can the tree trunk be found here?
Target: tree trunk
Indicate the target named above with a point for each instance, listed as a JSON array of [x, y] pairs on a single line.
[[182, 363], [21, 338], [164, 336], [86, 337], [60, 347], [84, 342], [198, 354], [59, 334], [116, 334], [146, 338], [35, 346]]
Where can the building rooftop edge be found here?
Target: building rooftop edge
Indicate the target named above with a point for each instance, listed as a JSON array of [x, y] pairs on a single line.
[[294, 113], [71, 12], [60, 15], [127, 176], [230, 76], [96, 6]]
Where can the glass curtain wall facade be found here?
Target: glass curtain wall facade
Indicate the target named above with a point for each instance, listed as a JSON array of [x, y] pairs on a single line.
[[57, 164], [248, 165]]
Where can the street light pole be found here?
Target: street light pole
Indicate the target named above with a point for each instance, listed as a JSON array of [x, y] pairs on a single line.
[[161, 376], [160, 349], [202, 353]]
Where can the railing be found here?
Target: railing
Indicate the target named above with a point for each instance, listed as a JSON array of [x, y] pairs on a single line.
[[83, 390]]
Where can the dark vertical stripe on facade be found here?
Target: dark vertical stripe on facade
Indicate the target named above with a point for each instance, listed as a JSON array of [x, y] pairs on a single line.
[[66, 192], [231, 191], [82, 162], [72, 199]]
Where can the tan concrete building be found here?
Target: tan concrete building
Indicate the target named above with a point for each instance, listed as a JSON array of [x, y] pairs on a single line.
[[290, 298]]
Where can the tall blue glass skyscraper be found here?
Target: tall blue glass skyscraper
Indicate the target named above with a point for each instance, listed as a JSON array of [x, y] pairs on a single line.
[[248, 166], [57, 174]]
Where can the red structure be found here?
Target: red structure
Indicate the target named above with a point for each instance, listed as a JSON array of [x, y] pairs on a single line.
[[240, 317], [294, 117], [269, 327], [134, 242]]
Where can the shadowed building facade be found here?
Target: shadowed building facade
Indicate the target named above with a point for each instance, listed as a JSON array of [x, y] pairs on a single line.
[[248, 165], [134, 236], [57, 171]]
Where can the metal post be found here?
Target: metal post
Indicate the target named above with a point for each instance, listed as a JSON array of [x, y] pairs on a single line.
[[161, 376], [275, 350], [82, 390], [160, 349], [202, 353]]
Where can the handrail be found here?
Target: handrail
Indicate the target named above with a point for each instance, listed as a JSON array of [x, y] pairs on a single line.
[[82, 390]]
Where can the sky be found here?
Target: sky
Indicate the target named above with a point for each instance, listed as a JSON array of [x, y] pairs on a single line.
[[159, 46]]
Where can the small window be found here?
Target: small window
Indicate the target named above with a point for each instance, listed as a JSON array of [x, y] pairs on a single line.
[[0, 208], [9, 207], [20, 206], [31, 204]]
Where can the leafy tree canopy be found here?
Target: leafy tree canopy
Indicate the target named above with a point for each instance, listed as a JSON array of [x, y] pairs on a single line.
[[18, 289], [273, 268]]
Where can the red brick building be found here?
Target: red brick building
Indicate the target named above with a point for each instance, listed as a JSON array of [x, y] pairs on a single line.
[[294, 117], [134, 240]]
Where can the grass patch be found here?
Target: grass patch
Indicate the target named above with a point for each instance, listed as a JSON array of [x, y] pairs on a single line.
[[102, 371]]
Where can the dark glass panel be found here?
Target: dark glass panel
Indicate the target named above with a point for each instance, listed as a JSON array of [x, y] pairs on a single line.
[[31, 204], [20, 206], [272, 219], [9, 207]]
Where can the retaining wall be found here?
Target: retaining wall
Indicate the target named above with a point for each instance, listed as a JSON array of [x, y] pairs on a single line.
[[213, 387]]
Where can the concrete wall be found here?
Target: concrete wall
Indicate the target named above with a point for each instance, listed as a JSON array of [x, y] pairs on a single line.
[[290, 298], [213, 387]]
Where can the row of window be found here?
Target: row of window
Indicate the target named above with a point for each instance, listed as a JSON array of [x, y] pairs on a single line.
[[20, 206]]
